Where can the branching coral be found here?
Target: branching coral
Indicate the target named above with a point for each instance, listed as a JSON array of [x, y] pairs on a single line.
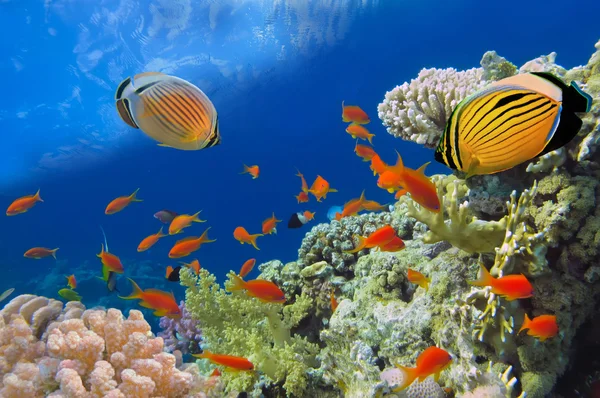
[[236, 324], [181, 334]]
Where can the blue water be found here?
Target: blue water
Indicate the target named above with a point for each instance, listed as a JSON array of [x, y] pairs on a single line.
[[278, 94]]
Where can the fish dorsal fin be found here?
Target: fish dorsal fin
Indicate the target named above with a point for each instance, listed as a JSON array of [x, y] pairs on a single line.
[[186, 239], [421, 170], [543, 83], [143, 81]]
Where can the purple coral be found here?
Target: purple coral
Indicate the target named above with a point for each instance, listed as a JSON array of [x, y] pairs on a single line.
[[181, 334]]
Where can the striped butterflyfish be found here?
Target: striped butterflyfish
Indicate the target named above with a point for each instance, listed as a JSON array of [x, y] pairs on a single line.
[[510, 122], [171, 110]]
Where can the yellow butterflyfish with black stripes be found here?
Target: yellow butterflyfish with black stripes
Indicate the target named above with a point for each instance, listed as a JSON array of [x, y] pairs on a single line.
[[510, 122], [170, 110]]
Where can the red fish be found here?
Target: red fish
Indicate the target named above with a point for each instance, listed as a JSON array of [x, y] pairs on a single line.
[[215, 372], [304, 186], [23, 204], [40, 252], [163, 303], [354, 114], [265, 291], [418, 278], [302, 197], [543, 327], [229, 361], [183, 221], [352, 207], [247, 267], [110, 263], [150, 240], [186, 246], [377, 165], [358, 131], [364, 151], [268, 226], [71, 281], [320, 188], [243, 236], [334, 303], [254, 171], [511, 287], [395, 245], [432, 361], [379, 237], [121, 202]]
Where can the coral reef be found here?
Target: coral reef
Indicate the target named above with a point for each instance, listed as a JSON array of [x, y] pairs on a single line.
[[182, 334]]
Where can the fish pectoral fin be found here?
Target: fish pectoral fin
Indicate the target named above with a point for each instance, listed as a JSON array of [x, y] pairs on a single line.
[[145, 305], [166, 146], [160, 313]]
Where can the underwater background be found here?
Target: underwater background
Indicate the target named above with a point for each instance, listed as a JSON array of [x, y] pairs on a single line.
[[277, 73]]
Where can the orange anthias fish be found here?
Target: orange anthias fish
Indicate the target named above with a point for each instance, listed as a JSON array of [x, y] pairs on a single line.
[[71, 281], [352, 207], [269, 225], [264, 290], [163, 303], [247, 267], [23, 204], [304, 187], [358, 131], [418, 278], [379, 237], [194, 265], [371, 205], [183, 221], [302, 197], [422, 190], [334, 303], [354, 114], [40, 252], [511, 287], [254, 171], [364, 151], [432, 361], [229, 361], [543, 327], [377, 165], [186, 246], [149, 241], [121, 202], [320, 188], [110, 263], [395, 245], [243, 236]]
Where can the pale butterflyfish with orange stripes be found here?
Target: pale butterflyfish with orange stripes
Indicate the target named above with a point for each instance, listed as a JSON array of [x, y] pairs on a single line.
[[170, 110], [510, 122]]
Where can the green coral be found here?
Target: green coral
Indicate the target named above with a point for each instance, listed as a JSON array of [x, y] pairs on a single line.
[[461, 228], [236, 324]]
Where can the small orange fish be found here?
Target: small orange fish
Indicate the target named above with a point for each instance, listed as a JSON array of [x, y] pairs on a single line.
[[247, 267], [150, 240], [229, 361], [422, 190], [377, 165], [254, 171], [163, 303], [378, 238], [215, 372], [269, 225], [543, 327], [243, 236], [364, 151], [334, 303], [308, 215], [303, 181], [432, 361], [22, 204], [121, 202], [194, 265], [183, 221], [40, 252], [302, 197], [110, 263], [358, 131], [71, 281], [320, 188], [511, 287], [395, 245], [400, 193], [186, 246], [352, 207], [418, 278], [354, 114], [265, 291]]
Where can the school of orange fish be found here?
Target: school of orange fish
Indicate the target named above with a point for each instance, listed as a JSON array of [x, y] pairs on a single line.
[[393, 178]]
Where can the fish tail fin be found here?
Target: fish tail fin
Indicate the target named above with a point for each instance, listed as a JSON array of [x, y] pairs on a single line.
[[161, 234], [426, 282], [237, 283], [410, 375], [37, 196], [195, 217], [135, 294], [299, 174], [361, 245], [332, 190], [370, 138], [204, 237], [338, 216], [253, 240], [203, 355], [246, 170], [526, 324], [484, 279], [133, 198], [275, 218], [54, 252]]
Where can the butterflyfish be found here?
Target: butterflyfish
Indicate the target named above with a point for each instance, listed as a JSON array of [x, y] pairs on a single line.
[[170, 110], [511, 122]]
